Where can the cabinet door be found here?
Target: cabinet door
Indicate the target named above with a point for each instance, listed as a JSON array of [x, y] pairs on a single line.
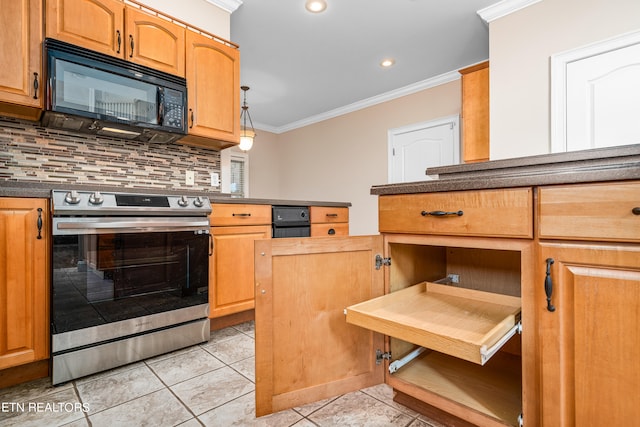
[[213, 77], [305, 350], [21, 57], [231, 288], [590, 344], [24, 286], [154, 42], [93, 24]]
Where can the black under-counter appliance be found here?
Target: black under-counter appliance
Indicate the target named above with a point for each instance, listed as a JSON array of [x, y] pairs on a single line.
[[290, 221]]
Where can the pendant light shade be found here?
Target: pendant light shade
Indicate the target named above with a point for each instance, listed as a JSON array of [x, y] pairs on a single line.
[[246, 133]]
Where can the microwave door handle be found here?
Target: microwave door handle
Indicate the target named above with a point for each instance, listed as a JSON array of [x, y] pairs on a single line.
[[160, 103]]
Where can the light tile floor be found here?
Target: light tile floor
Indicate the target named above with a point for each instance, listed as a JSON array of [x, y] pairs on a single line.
[[210, 384]]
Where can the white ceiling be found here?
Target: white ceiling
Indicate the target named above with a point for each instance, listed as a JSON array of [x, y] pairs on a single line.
[[303, 67]]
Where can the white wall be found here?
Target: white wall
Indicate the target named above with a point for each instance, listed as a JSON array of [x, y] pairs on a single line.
[[520, 47], [341, 158], [199, 13]]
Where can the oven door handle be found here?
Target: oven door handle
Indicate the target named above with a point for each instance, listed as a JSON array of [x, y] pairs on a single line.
[[88, 225]]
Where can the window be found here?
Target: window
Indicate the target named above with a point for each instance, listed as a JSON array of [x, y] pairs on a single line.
[[234, 166], [237, 183]]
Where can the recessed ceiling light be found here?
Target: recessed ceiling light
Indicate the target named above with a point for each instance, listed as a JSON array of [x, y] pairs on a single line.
[[315, 6], [387, 62]]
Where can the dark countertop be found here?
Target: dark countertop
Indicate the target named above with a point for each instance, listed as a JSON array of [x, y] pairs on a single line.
[[43, 190], [597, 165]]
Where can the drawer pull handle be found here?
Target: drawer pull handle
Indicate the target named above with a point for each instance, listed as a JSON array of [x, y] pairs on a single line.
[[635, 211], [441, 213], [240, 214], [331, 232], [548, 285], [332, 215]]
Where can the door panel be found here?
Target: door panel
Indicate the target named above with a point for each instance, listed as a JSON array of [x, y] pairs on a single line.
[[602, 95], [591, 342], [96, 25], [305, 350], [417, 148]]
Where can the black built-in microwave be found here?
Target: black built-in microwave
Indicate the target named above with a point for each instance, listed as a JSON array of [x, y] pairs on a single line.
[[90, 92]]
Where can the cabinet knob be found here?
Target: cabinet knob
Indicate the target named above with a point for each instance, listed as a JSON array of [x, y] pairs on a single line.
[[636, 210]]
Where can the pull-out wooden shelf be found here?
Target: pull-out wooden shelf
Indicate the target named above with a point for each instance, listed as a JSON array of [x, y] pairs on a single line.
[[460, 322]]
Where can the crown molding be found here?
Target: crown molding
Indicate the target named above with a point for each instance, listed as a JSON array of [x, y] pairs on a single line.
[[226, 5], [359, 105], [503, 8]]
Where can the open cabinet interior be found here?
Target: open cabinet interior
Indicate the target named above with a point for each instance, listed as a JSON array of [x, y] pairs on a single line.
[[462, 302]]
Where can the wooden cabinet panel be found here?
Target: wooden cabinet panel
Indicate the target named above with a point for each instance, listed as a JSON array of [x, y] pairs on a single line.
[[110, 27], [94, 24], [24, 283], [590, 344], [330, 229], [475, 113], [507, 212], [603, 212], [305, 351], [324, 214], [223, 214], [231, 272], [213, 76], [154, 42], [21, 58]]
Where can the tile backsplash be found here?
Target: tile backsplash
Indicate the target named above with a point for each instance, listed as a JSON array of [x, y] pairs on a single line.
[[31, 153]]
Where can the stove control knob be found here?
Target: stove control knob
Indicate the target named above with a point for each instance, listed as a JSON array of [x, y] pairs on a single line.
[[198, 202], [96, 198], [183, 201], [72, 197]]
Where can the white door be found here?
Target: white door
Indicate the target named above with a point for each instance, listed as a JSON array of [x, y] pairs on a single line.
[[413, 149], [602, 87]]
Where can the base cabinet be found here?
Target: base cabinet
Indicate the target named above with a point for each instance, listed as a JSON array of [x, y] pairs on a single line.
[[234, 229], [306, 286], [24, 283], [589, 258], [590, 342]]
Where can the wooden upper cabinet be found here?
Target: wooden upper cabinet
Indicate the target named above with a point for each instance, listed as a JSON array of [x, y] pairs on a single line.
[[94, 24], [475, 113], [213, 79], [154, 42], [24, 282], [116, 29], [21, 58]]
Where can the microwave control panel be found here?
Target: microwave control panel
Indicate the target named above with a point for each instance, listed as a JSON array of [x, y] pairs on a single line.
[[173, 106]]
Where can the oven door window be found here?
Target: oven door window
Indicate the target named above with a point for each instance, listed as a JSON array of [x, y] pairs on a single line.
[[104, 278]]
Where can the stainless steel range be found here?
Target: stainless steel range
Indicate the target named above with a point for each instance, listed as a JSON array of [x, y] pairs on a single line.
[[129, 278]]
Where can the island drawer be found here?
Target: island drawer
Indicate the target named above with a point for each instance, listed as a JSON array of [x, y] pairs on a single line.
[[498, 213], [602, 212]]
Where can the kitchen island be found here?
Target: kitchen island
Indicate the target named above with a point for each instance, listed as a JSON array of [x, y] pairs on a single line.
[[559, 233]]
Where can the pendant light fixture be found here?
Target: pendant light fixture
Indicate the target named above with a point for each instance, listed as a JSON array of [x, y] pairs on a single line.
[[246, 134]]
